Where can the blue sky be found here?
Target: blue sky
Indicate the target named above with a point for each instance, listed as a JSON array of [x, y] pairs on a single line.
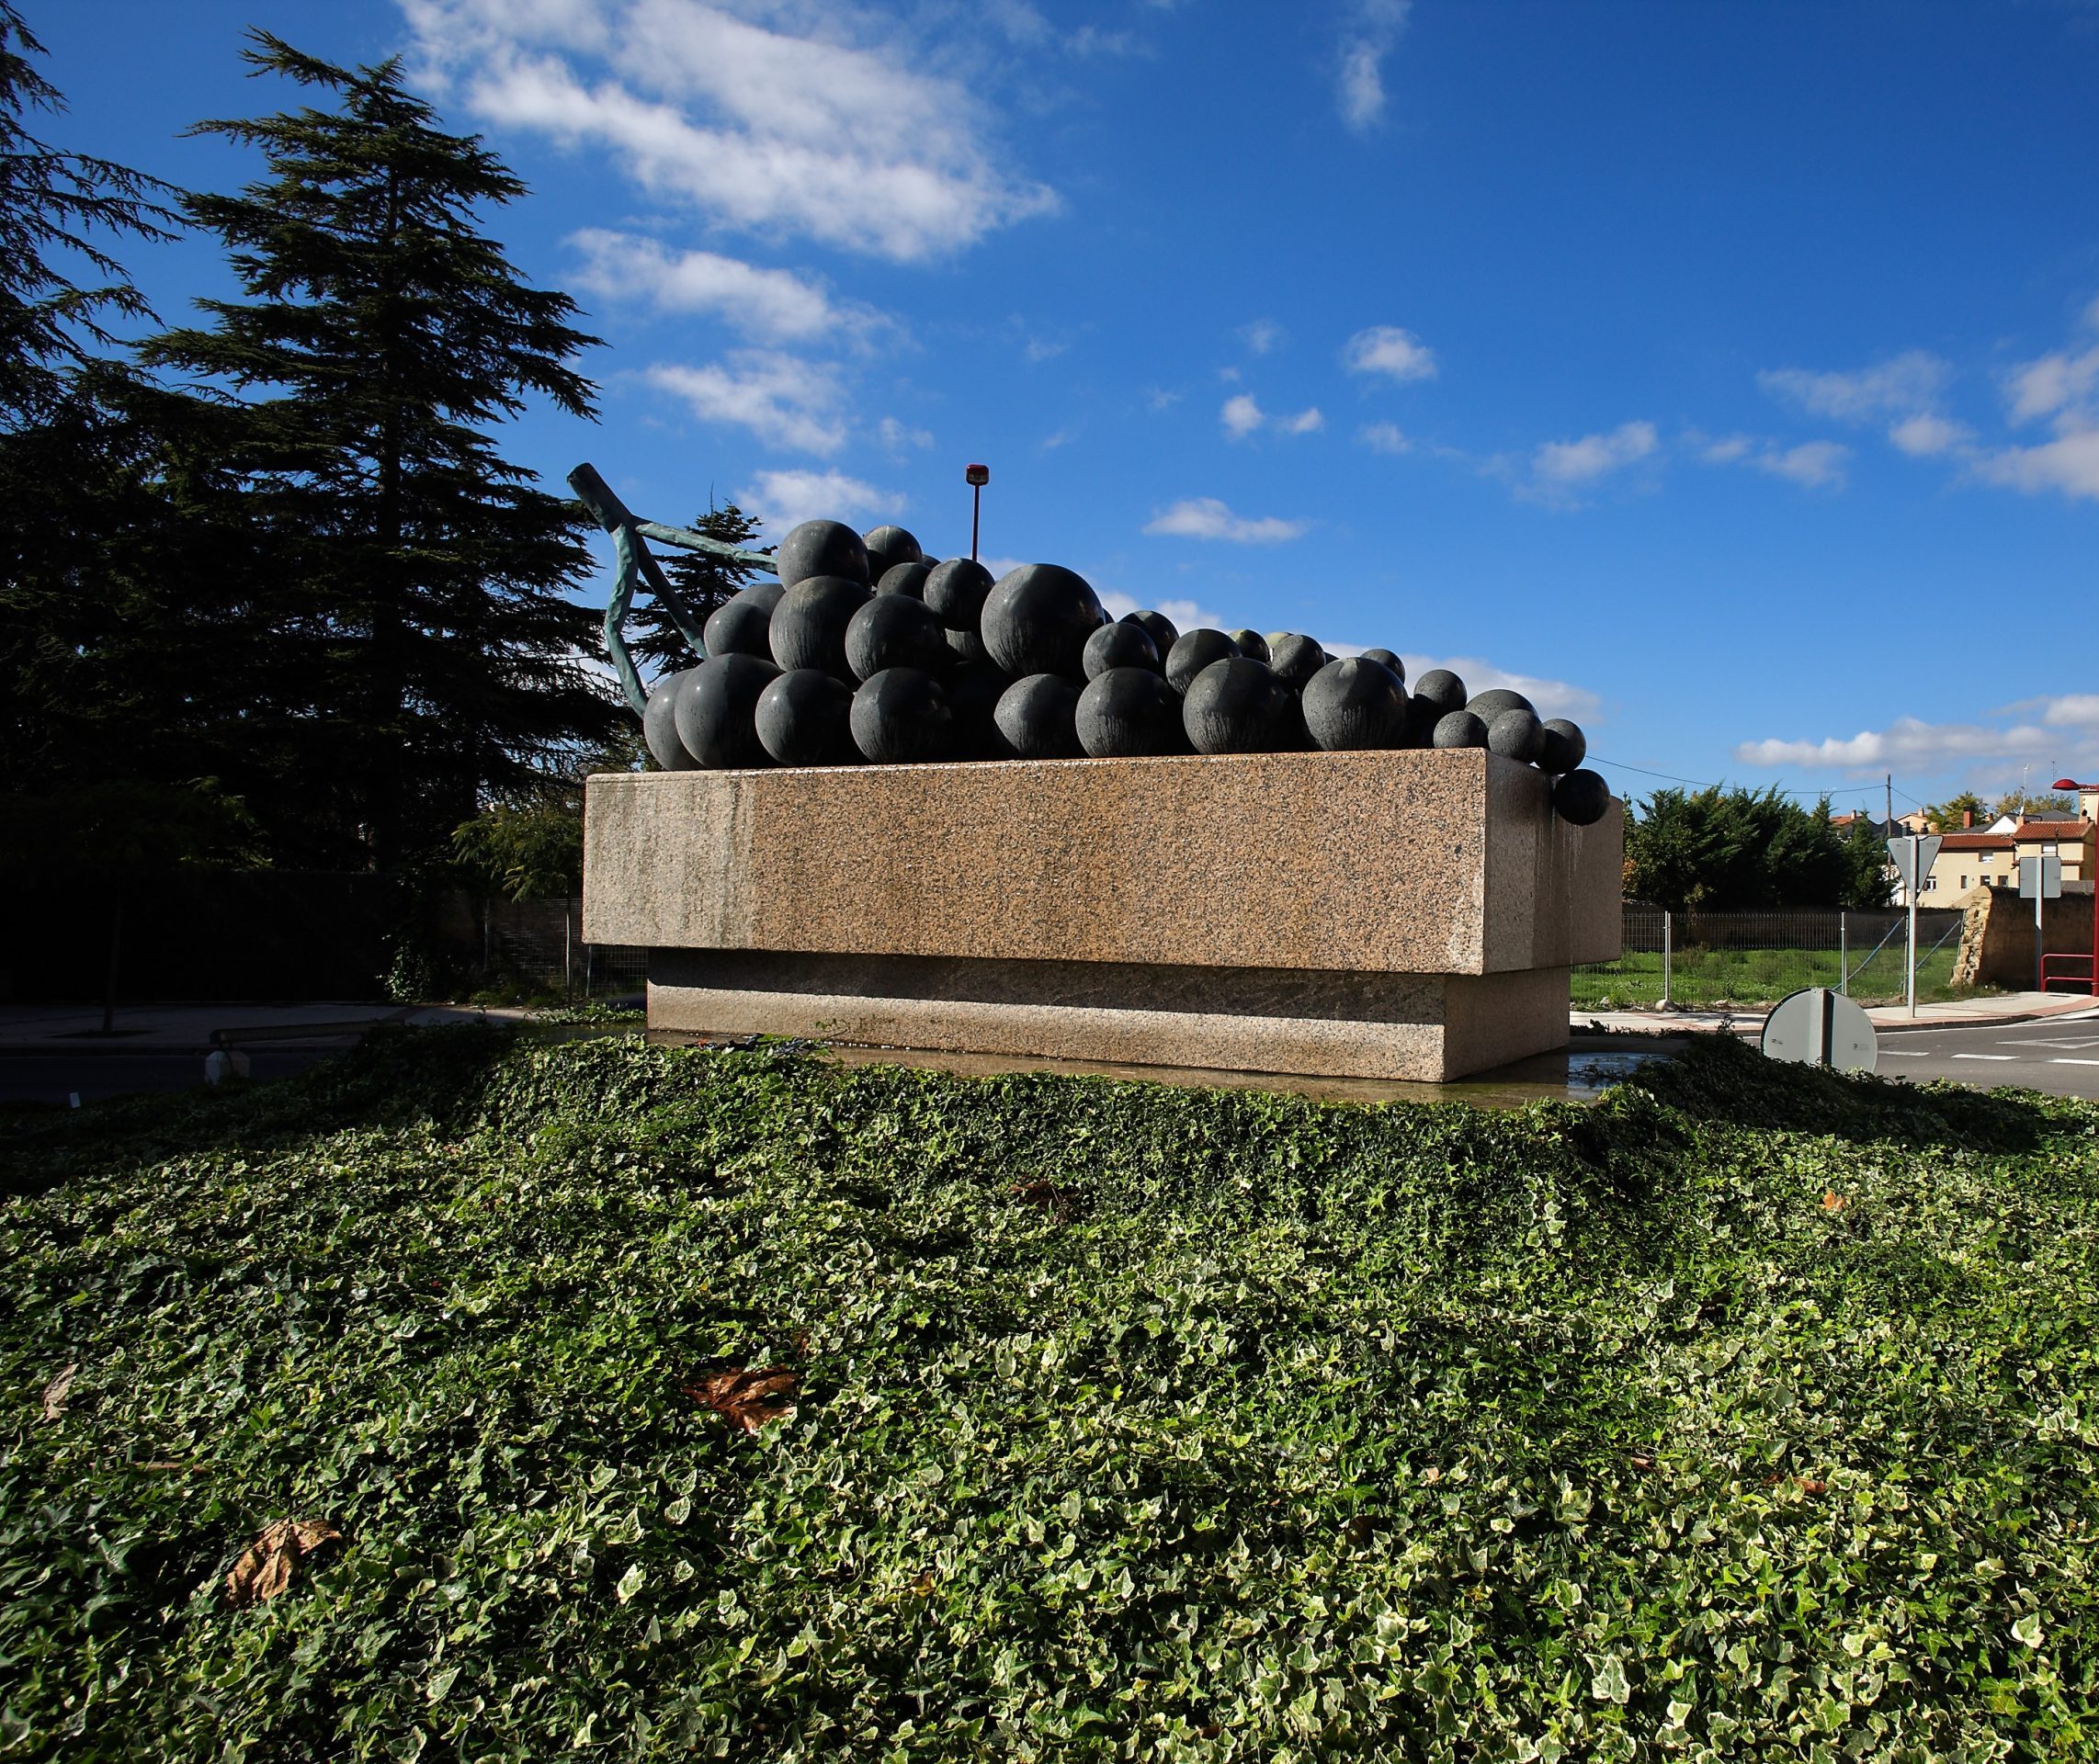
[[1732, 372]]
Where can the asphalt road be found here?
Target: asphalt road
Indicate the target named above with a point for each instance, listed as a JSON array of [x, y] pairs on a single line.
[[2059, 1055], [56, 1077]]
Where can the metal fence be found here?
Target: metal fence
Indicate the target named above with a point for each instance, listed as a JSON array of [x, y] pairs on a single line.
[[1728, 958], [537, 946]]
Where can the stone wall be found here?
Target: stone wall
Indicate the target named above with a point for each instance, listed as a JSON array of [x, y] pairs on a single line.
[[1997, 936]]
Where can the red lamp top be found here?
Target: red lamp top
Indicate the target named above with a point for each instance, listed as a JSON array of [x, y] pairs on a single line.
[[977, 475]]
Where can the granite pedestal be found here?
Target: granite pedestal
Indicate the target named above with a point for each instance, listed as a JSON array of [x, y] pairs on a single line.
[[1396, 915]]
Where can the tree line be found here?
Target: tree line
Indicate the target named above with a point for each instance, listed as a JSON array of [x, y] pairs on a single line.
[[270, 591], [1739, 849]]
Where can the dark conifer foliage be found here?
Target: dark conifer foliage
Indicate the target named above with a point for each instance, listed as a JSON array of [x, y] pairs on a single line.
[[427, 654], [56, 206], [703, 582]]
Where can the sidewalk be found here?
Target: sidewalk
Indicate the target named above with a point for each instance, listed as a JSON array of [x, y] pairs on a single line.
[[2005, 1007], [189, 1028]]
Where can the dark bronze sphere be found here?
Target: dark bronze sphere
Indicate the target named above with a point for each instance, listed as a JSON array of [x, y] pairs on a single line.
[[1565, 745], [801, 720], [1459, 729], [900, 716], [1252, 645], [716, 709], [1237, 705], [956, 591], [1487, 706], [1192, 652], [1582, 798], [887, 548], [1157, 628], [1516, 734], [895, 631], [1391, 662], [1036, 718], [809, 624], [1129, 713], [904, 578], [1441, 690], [821, 549], [659, 724], [1037, 619], [1119, 646], [1356, 704]]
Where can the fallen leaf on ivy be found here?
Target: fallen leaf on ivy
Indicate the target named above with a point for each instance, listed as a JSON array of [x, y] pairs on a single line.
[[1833, 1201], [747, 1397], [54, 1393], [924, 1585], [264, 1567]]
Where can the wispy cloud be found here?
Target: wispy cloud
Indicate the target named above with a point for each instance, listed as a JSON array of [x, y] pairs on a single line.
[[1205, 517], [1242, 417], [1563, 468], [1370, 29], [2060, 381], [2063, 388], [2065, 732], [900, 437], [1389, 350], [1383, 437], [774, 305], [1813, 464], [1262, 335], [764, 126], [1900, 385], [782, 500], [783, 400]]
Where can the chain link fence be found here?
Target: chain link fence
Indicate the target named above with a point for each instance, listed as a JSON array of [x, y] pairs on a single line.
[[1730, 958], [537, 946]]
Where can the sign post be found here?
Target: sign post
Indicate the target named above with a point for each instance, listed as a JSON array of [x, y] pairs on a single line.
[[2040, 879], [1912, 856]]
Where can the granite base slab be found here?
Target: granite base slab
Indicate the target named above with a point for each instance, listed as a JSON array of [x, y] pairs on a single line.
[[1305, 1021]]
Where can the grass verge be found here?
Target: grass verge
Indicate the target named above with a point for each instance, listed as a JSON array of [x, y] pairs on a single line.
[[1748, 1414]]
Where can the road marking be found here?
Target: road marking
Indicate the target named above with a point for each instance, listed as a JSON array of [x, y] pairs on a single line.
[[1894, 1053], [2073, 1062], [1985, 1055], [2084, 1042]]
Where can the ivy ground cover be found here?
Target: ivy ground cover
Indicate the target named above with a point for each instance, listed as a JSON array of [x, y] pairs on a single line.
[[473, 1399]]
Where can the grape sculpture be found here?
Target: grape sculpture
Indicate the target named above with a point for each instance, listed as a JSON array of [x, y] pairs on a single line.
[[866, 650]]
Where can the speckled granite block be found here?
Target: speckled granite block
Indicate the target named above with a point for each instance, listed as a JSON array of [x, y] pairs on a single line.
[[1401, 915], [1320, 1023]]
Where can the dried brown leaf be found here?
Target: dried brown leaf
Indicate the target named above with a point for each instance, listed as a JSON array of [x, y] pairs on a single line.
[[1831, 1200], [264, 1567], [55, 1392], [1052, 1200], [747, 1397]]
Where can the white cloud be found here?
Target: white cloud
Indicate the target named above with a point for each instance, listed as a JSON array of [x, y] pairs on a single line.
[[1383, 437], [1186, 615], [2069, 464], [1727, 450], [1372, 29], [782, 500], [1242, 417], [1814, 465], [1044, 348], [1552, 698], [1898, 387], [767, 126], [900, 437], [2057, 381], [1912, 743], [1567, 464], [1389, 350], [771, 304], [1205, 517], [1262, 335], [1924, 435], [1158, 398], [783, 400]]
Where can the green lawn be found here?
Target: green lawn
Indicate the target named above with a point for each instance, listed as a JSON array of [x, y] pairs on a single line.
[[1700, 976], [1750, 1413]]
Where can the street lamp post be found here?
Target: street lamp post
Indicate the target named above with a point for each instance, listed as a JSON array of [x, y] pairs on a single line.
[[2092, 973], [976, 477]]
